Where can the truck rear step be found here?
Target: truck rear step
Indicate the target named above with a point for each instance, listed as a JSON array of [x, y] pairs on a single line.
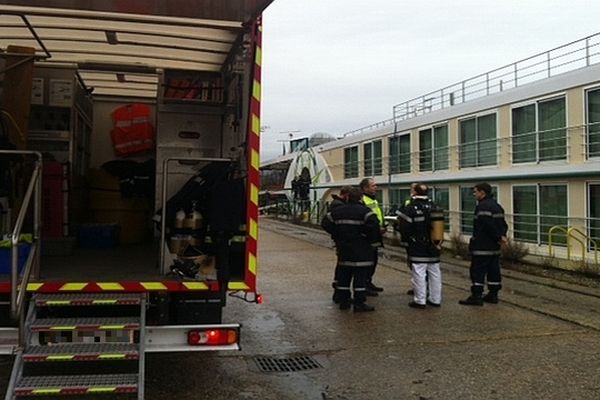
[[76, 384], [53, 334], [82, 352]]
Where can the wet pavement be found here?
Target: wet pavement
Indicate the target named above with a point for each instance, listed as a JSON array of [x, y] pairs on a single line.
[[541, 342]]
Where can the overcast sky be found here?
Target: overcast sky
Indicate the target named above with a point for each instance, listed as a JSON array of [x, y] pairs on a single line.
[[338, 65]]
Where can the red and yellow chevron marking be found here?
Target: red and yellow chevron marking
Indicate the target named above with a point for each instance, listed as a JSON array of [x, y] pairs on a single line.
[[126, 286], [254, 159]]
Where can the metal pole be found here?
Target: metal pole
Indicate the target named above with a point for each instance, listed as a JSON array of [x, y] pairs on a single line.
[[163, 215], [549, 67], [37, 221], [587, 52], [16, 233]]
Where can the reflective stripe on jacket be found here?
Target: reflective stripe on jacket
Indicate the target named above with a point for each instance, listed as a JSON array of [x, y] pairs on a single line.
[[414, 224], [353, 227]]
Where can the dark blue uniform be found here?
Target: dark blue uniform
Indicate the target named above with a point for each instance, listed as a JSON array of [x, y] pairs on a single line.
[[489, 227], [354, 228]]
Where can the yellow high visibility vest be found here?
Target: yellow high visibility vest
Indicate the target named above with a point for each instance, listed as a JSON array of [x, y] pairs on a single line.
[[374, 206]]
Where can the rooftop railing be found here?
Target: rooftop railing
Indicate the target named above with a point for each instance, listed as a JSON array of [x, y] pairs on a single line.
[[568, 57]]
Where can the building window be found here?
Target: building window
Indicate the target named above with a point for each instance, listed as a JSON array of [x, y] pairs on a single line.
[[433, 148], [533, 217], [593, 123], [373, 155], [399, 154], [441, 197], [351, 162], [594, 212], [539, 131], [478, 143], [467, 207]]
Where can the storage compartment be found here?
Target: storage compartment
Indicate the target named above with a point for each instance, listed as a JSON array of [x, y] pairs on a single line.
[[196, 308], [203, 87]]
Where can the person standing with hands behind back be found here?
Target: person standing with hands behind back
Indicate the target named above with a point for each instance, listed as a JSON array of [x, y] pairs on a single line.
[[489, 233], [369, 190]]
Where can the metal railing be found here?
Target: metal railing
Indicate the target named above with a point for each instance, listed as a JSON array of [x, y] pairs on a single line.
[[574, 55], [532, 147], [18, 289], [568, 57], [571, 233], [537, 232]]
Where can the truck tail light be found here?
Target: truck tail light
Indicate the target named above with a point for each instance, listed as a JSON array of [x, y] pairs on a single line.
[[212, 337]]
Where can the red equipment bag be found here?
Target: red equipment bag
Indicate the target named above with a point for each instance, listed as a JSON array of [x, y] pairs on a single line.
[[132, 132]]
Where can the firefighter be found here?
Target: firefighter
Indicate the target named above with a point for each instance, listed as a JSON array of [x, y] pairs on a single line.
[[338, 200], [369, 190], [489, 234], [403, 242], [354, 228], [423, 253]]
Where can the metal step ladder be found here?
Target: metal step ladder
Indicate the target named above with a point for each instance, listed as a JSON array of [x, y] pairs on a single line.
[[74, 342]]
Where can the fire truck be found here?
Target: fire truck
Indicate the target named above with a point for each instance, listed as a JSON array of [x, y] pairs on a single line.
[[129, 182]]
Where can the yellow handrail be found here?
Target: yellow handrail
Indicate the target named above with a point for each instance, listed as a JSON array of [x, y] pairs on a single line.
[[569, 233], [563, 230], [584, 247]]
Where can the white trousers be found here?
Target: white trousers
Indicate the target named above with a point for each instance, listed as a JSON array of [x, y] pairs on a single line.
[[434, 280]]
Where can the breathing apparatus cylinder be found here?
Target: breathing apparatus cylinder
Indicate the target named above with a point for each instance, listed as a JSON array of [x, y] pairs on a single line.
[[437, 225]]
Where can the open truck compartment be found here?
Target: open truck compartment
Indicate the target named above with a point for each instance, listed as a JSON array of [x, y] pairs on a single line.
[[129, 157], [117, 95]]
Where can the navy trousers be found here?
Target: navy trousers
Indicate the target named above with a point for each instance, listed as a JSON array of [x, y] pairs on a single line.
[[483, 267]]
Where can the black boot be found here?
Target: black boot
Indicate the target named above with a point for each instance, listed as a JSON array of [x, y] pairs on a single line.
[[345, 304], [491, 297], [472, 300], [414, 304], [363, 307], [337, 298], [373, 288]]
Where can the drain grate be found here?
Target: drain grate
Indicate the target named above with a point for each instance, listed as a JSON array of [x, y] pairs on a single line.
[[291, 364]]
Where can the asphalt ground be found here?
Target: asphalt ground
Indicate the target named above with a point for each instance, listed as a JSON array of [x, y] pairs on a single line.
[[541, 342]]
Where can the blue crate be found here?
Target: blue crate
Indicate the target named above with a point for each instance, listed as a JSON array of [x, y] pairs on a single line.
[[99, 236], [5, 258]]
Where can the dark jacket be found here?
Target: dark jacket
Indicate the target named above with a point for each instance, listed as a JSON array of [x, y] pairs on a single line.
[[336, 202], [354, 228], [414, 224], [488, 228]]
